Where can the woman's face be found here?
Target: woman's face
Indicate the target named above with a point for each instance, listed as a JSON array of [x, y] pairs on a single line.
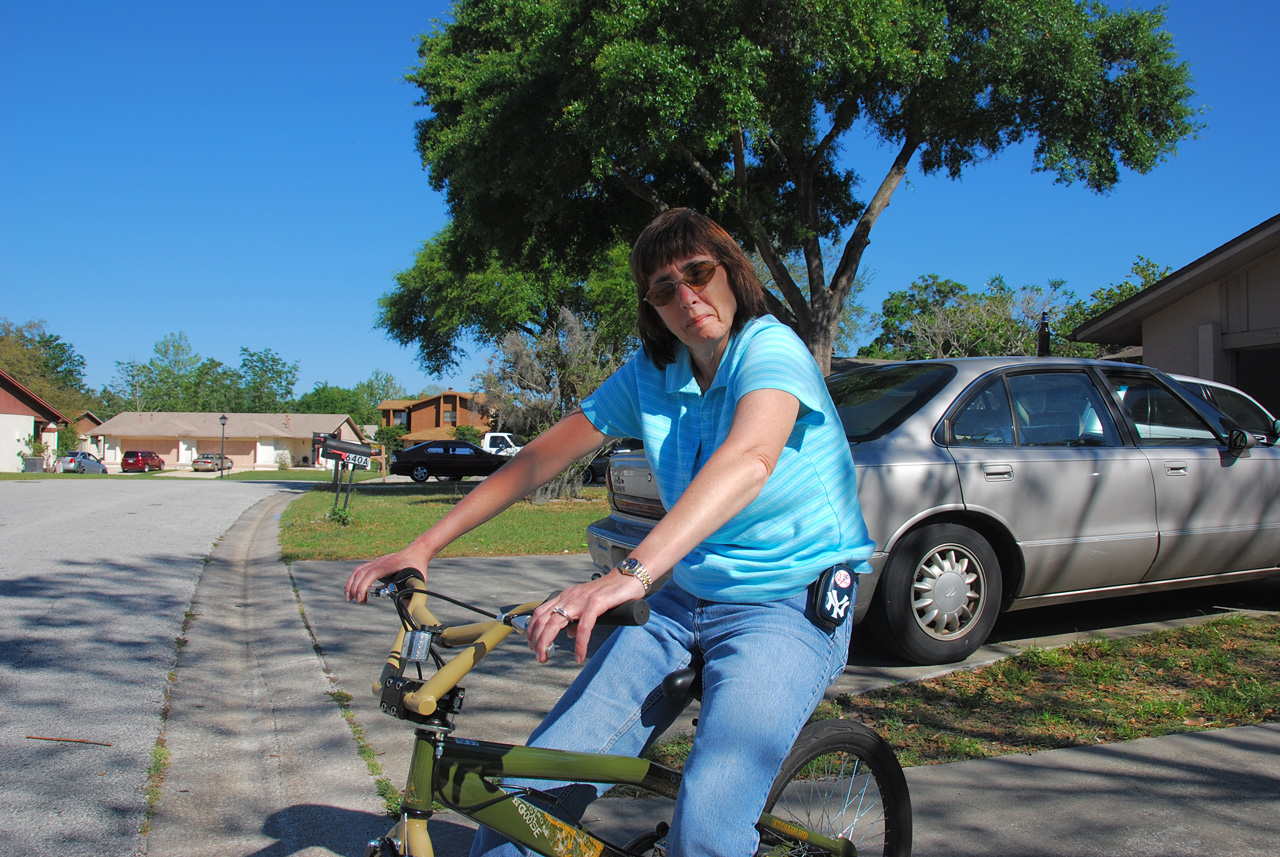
[[701, 318]]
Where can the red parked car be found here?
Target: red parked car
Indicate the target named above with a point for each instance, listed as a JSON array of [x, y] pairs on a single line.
[[141, 462]]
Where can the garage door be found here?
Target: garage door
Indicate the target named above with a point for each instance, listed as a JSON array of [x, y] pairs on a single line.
[[1258, 374]]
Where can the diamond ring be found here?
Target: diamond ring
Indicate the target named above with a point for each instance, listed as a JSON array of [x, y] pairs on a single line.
[[560, 611]]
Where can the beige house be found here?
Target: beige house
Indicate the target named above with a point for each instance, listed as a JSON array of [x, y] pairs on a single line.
[[252, 441], [1216, 318]]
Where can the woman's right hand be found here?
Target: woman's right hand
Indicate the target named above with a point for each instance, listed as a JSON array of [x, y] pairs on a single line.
[[383, 568]]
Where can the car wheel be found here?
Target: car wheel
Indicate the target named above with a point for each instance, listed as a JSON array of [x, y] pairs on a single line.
[[939, 595], [588, 476], [420, 473]]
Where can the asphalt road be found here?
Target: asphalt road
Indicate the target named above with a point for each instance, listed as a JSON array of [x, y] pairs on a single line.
[[96, 577]]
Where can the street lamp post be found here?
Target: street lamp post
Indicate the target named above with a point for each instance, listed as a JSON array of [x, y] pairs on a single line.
[[222, 452]]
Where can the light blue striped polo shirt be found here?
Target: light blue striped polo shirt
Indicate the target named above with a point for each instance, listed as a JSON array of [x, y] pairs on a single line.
[[806, 517]]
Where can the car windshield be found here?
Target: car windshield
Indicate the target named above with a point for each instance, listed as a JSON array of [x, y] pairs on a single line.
[[1243, 410], [874, 400]]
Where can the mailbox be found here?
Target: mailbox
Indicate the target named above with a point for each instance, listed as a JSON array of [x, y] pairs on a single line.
[[354, 455]]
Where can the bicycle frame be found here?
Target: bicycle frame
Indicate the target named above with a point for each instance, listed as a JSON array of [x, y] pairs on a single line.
[[462, 774]]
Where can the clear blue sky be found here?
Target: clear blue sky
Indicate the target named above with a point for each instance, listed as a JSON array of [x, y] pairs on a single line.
[[245, 172]]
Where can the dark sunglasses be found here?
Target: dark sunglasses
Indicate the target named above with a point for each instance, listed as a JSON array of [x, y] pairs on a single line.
[[695, 276]]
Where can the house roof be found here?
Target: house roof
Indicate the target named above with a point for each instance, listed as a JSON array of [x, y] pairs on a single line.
[[32, 403], [396, 404], [165, 424], [1122, 324]]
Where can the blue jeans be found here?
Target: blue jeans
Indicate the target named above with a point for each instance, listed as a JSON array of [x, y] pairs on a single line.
[[766, 668]]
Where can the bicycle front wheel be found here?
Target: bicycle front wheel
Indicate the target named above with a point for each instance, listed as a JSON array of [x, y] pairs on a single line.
[[842, 779]]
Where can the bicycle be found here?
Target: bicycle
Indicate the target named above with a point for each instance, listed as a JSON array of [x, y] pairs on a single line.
[[840, 790]]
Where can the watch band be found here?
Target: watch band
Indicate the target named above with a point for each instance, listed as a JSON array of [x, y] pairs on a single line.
[[632, 567]]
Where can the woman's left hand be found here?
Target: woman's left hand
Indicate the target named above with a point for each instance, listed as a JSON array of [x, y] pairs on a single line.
[[581, 604]]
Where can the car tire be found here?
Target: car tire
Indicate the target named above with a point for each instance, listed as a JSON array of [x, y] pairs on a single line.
[[588, 476], [939, 595], [420, 473]]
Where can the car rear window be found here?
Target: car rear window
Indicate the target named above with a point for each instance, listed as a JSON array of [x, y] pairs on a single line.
[[874, 400]]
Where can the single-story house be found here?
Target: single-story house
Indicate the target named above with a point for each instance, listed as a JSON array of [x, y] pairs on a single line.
[[435, 417], [23, 415], [1216, 318], [251, 441], [90, 439]]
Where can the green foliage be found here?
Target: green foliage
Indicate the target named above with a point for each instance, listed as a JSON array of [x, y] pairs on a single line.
[[450, 296], [1142, 274], [47, 366], [470, 434], [360, 403], [595, 115], [266, 382], [178, 379], [942, 318], [327, 399], [901, 309], [391, 437]]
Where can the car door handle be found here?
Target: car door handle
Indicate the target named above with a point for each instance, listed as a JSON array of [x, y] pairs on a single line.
[[1175, 468], [998, 472]]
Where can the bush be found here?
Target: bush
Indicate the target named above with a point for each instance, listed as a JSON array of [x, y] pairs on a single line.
[[284, 461], [470, 434]]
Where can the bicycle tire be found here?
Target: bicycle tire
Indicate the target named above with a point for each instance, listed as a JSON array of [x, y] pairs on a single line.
[[856, 791]]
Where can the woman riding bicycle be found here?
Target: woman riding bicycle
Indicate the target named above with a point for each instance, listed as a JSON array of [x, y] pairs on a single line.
[[753, 465]]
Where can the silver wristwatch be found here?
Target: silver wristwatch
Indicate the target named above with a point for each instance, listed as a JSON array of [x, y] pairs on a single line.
[[632, 567]]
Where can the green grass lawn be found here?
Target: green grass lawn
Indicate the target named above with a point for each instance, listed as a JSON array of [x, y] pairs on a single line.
[[384, 518], [1225, 672]]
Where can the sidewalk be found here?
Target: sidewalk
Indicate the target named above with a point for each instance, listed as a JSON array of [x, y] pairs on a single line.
[[262, 763]]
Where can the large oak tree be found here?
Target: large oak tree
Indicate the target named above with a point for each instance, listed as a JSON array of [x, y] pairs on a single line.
[[559, 127]]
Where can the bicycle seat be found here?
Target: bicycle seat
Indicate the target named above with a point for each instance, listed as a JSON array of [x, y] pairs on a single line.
[[684, 683]]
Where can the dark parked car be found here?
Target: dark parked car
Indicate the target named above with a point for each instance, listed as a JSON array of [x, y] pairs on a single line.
[[211, 461], [994, 484], [144, 461], [80, 462], [445, 459]]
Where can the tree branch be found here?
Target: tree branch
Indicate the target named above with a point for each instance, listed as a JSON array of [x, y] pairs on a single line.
[[643, 190]]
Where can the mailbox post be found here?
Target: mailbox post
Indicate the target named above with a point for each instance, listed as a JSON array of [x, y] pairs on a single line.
[[347, 458]]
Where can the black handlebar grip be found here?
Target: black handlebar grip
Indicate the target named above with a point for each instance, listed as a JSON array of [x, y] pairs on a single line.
[[627, 613], [405, 574]]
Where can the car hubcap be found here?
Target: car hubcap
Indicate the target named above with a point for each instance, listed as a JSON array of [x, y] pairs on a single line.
[[947, 592]]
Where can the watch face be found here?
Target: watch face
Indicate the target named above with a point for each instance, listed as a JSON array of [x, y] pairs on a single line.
[[629, 566]]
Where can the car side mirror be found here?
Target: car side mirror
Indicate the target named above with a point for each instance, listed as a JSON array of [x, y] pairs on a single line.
[[1275, 426], [1240, 440]]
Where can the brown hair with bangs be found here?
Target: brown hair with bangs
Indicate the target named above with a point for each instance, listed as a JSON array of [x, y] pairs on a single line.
[[679, 233]]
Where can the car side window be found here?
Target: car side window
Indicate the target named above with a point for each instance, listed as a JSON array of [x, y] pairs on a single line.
[[438, 450], [985, 420], [1161, 418], [461, 450], [1060, 409]]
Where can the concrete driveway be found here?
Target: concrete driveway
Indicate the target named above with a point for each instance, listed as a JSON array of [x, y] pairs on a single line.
[[96, 577]]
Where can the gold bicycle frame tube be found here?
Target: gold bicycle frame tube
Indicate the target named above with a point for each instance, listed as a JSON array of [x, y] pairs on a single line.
[[464, 776], [458, 771]]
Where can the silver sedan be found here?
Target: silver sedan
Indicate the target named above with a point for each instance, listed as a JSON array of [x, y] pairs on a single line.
[[995, 484]]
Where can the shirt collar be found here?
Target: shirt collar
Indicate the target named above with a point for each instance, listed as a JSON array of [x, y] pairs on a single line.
[[679, 375]]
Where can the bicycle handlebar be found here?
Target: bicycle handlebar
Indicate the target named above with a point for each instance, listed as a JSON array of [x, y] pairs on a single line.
[[476, 639]]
